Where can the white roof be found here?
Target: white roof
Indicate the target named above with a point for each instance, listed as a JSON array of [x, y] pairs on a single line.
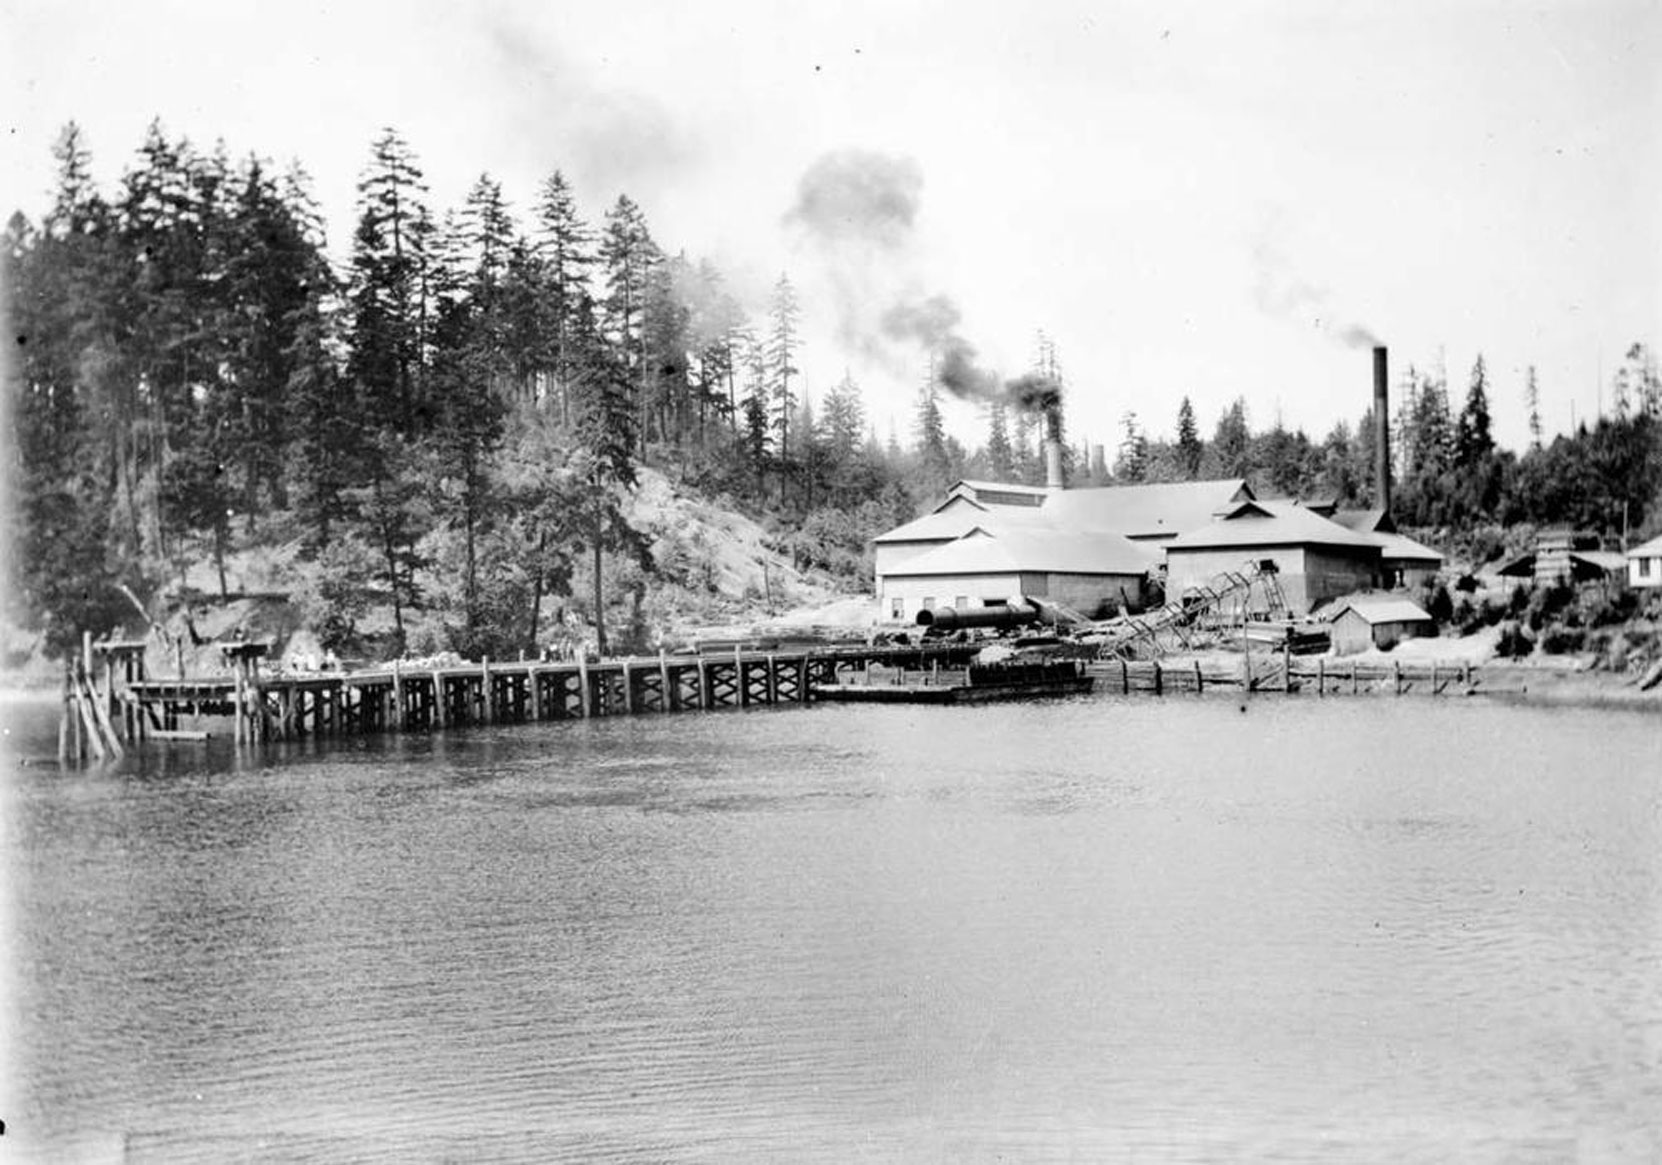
[[1011, 552], [1651, 549], [1378, 609]]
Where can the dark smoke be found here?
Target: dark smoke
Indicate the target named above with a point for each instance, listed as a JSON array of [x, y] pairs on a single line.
[[858, 208], [858, 196], [932, 324], [1034, 393]]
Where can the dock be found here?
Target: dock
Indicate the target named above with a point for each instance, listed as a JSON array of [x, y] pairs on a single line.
[[110, 703]]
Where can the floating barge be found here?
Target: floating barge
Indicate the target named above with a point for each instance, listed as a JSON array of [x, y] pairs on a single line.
[[978, 683]]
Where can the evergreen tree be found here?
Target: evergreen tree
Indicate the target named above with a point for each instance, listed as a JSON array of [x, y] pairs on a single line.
[[934, 460], [783, 317], [1532, 399], [1190, 449], [1472, 439], [606, 428], [1001, 459], [390, 288], [1229, 454], [628, 256], [1131, 465], [566, 246]]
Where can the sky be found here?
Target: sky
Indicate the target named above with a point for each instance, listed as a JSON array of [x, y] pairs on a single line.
[[1212, 200]]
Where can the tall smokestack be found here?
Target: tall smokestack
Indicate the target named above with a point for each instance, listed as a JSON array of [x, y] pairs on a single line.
[[1382, 431], [1053, 449]]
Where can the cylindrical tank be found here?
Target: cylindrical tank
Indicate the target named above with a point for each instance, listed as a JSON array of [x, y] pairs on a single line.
[[943, 619]]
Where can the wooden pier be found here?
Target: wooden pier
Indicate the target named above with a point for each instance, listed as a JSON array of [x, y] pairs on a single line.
[[403, 698], [110, 704]]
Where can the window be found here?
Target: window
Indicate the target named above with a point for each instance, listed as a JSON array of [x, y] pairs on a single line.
[[961, 602], [897, 608], [928, 602]]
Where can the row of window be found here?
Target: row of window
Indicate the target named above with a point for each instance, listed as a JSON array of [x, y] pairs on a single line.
[[897, 604]]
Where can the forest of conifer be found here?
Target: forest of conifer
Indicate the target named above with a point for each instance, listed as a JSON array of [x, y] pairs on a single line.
[[447, 420]]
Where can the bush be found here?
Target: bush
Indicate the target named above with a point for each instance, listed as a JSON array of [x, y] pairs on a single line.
[[1514, 642], [1441, 605], [1562, 640], [1547, 603]]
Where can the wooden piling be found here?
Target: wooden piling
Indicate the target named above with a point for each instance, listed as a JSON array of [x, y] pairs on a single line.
[[1159, 683], [773, 679], [1396, 675], [1125, 678], [1200, 680], [666, 695], [585, 694], [1321, 675]]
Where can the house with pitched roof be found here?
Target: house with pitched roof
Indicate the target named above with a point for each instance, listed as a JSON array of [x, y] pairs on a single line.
[[1644, 564]]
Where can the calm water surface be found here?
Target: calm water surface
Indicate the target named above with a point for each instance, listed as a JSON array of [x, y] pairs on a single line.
[[1084, 930]]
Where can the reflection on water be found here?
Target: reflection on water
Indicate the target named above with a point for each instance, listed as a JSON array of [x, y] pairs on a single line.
[[1161, 930]]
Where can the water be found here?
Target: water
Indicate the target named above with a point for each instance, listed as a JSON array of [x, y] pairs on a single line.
[[1154, 930]]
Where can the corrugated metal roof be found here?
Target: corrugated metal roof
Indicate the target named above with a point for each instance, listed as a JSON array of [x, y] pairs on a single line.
[[1271, 524], [1378, 609], [1047, 551], [1647, 549]]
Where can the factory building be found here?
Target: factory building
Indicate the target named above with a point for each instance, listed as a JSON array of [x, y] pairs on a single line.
[[1313, 558], [1095, 575]]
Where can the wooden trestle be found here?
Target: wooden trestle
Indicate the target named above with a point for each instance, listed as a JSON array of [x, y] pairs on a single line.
[[402, 698]]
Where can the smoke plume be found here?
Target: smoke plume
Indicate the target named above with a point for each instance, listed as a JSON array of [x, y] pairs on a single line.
[[859, 197], [858, 210], [1282, 293]]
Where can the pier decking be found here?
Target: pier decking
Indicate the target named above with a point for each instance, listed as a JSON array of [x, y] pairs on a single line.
[[127, 706], [109, 707]]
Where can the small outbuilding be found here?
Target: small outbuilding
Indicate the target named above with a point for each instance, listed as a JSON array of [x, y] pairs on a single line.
[[1375, 620], [1644, 564]]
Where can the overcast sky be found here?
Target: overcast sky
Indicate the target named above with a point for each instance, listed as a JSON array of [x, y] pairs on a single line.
[[1191, 199]]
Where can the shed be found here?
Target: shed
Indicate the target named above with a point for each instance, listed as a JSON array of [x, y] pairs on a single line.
[[1374, 620], [1644, 564]]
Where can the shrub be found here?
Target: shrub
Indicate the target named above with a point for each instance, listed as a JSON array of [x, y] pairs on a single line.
[[1513, 643], [1561, 640], [1441, 604]]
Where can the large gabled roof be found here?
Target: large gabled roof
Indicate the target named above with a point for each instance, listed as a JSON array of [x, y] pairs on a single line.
[[950, 520], [1270, 524], [1162, 510], [985, 551]]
